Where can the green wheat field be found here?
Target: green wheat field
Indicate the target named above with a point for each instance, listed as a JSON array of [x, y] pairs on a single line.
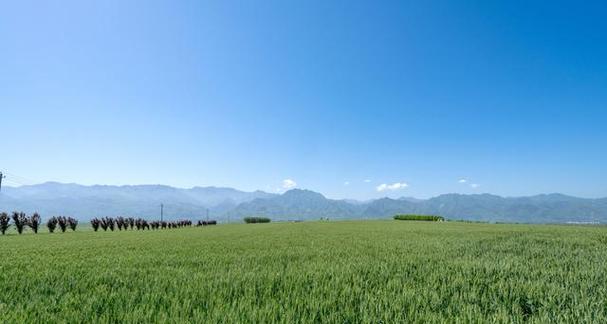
[[330, 272]]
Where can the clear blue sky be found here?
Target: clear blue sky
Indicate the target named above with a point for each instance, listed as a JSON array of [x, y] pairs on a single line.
[[509, 95]]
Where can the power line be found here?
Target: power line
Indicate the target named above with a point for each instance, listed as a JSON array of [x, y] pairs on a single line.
[[20, 179], [12, 182], [14, 179]]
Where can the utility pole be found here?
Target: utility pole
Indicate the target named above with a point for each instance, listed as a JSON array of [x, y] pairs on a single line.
[[2, 176], [161, 211], [207, 214]]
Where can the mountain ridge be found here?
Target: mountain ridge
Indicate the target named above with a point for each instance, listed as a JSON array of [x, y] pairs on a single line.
[[84, 202]]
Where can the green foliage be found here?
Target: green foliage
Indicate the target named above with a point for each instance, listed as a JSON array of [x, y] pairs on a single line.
[[254, 220], [428, 218], [310, 272]]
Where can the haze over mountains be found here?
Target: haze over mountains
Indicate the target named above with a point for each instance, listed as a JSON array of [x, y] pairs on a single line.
[[225, 204]]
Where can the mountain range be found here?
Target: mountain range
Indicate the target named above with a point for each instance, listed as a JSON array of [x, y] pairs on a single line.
[[227, 204]]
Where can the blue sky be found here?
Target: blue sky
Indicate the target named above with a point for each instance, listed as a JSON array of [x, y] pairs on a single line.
[[340, 97]]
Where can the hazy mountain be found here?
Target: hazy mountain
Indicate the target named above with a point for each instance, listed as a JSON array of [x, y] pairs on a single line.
[[85, 202], [297, 204], [553, 208], [535, 209]]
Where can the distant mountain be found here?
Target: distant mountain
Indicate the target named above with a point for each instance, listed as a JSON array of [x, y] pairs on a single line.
[[296, 204], [85, 202], [554, 208]]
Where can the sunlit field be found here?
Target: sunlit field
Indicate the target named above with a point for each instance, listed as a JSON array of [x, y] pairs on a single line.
[[346, 272]]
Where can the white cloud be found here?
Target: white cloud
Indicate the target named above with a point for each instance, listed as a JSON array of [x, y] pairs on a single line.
[[474, 185], [288, 184], [395, 186], [367, 181], [346, 183], [463, 181]]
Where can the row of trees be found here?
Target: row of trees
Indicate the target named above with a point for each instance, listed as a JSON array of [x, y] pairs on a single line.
[[21, 221], [63, 223], [126, 223]]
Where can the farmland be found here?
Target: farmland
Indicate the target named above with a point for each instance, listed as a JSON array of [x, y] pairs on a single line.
[[390, 271]]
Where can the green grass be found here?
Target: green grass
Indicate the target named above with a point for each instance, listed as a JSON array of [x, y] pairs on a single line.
[[336, 272]]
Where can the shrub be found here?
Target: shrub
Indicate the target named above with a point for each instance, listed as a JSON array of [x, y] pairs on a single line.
[[254, 220], [429, 218], [34, 222], [20, 221], [62, 221], [72, 222], [4, 222]]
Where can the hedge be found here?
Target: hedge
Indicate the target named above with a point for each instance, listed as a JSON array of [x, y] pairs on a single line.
[[428, 218], [253, 220]]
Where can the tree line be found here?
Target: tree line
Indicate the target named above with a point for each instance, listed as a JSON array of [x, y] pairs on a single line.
[[20, 220], [125, 223]]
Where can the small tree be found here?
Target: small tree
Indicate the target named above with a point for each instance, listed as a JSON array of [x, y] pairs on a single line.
[[51, 224], [72, 222], [104, 223], [62, 221], [4, 222], [95, 222], [20, 221], [34, 222]]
